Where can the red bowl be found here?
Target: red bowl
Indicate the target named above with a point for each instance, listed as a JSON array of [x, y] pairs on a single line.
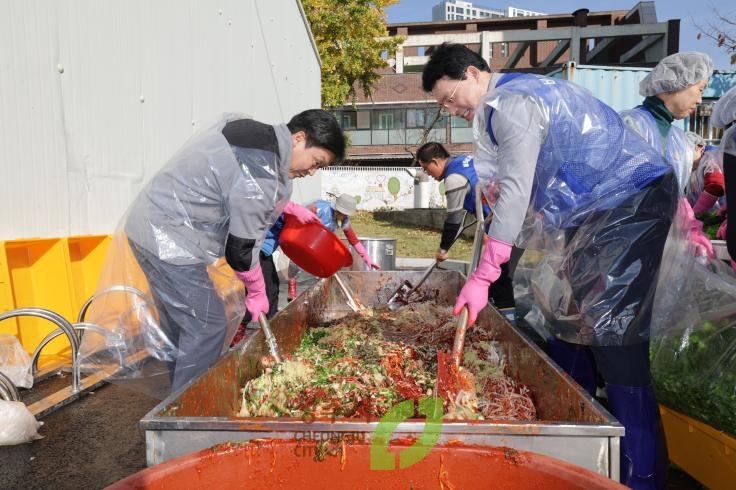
[[314, 248]]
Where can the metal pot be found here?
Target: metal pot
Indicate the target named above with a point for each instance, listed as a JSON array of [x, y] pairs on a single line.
[[382, 251]]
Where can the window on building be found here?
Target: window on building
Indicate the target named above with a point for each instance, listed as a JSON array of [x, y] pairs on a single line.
[[385, 121], [388, 119], [364, 119], [416, 118], [347, 119]]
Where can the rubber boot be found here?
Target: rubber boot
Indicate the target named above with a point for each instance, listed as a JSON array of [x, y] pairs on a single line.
[[291, 293], [509, 314], [644, 461], [575, 360], [501, 294]]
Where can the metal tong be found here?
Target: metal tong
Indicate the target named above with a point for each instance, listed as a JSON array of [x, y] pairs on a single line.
[[406, 289], [270, 339]]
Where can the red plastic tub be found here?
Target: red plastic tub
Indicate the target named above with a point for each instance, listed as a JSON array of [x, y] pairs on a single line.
[[314, 248], [292, 464]]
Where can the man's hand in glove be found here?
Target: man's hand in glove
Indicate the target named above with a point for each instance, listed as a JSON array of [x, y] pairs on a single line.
[[256, 301], [474, 294]]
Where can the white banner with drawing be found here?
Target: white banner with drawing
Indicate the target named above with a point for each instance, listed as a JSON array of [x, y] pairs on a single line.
[[383, 187]]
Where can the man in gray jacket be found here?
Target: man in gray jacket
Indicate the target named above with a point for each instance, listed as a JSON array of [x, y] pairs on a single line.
[[217, 196]]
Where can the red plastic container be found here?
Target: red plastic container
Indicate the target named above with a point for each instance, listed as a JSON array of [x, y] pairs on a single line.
[[314, 248], [292, 464]]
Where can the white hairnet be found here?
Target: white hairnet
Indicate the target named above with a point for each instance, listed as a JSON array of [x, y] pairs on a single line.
[[676, 72], [724, 110], [694, 139]]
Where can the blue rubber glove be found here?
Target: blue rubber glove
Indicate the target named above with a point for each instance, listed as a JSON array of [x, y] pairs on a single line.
[[474, 294]]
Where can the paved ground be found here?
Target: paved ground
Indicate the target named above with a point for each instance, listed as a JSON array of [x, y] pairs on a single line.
[[96, 441]]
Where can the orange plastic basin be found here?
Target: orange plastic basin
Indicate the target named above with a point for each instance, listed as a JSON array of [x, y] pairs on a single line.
[[286, 464], [314, 248]]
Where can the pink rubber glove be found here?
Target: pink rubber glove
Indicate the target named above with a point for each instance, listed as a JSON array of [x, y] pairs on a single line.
[[474, 294], [704, 203], [721, 233], [364, 255], [703, 246], [302, 214], [256, 301]]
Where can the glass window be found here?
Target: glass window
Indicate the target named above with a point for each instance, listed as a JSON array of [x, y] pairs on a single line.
[[462, 135], [364, 119], [359, 138], [421, 118], [347, 119], [459, 122], [389, 119]]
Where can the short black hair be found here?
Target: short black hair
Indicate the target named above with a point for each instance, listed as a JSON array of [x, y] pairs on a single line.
[[322, 130], [431, 150], [451, 60]]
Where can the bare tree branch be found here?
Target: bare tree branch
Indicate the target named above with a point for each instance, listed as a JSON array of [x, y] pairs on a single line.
[[721, 30]]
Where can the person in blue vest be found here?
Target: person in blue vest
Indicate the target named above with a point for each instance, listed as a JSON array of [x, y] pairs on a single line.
[[565, 175], [460, 179]]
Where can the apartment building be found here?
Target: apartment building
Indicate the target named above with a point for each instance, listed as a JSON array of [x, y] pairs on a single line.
[[459, 10]]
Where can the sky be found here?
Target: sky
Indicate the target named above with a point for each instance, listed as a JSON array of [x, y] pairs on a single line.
[[690, 13]]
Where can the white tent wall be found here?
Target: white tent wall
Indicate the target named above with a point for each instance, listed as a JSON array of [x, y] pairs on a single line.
[[95, 95]]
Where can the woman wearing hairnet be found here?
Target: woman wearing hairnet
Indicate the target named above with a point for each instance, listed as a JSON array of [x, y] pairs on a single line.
[[672, 91], [576, 182], [724, 116], [216, 197]]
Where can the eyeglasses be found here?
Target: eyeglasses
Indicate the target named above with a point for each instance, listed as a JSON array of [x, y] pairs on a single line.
[[449, 100]]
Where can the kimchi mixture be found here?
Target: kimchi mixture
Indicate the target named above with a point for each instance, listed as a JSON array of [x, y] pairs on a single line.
[[367, 362]]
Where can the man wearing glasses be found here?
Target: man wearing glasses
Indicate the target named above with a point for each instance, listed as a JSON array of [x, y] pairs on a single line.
[[571, 179]]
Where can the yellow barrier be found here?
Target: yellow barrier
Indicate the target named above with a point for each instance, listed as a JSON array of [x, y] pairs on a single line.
[[58, 274], [86, 259], [706, 454]]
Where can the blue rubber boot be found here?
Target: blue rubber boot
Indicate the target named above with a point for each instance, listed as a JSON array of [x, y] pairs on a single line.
[[644, 461], [575, 360], [509, 314]]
